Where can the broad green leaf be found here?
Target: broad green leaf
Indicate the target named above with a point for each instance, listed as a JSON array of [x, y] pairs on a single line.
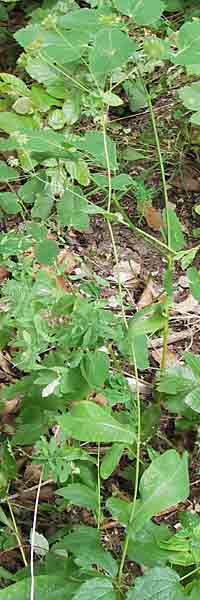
[[93, 144], [47, 587], [9, 203], [164, 484], [144, 547], [10, 122], [97, 588], [71, 109], [119, 182], [159, 583], [173, 5], [40, 71], [139, 347], [41, 100], [195, 118], [28, 191], [23, 105], [79, 171], [42, 206], [193, 399], [95, 368], [72, 210], [112, 50], [60, 46], [156, 49], [7, 173], [47, 141], [111, 460], [137, 97], [120, 510], [195, 592], [176, 380], [188, 42], [80, 495], [193, 361], [112, 99], [85, 543], [56, 119], [4, 519], [146, 321], [13, 85], [187, 256], [46, 252], [84, 18], [176, 231], [194, 281], [143, 12], [90, 422], [190, 96]]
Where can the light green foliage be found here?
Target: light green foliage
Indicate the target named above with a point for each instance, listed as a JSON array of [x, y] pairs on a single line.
[[71, 360]]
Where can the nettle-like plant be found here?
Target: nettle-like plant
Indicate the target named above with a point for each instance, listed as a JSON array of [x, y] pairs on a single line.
[[76, 64]]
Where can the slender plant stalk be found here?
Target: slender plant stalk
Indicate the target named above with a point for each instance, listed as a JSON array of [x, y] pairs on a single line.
[[99, 488], [137, 470], [138, 443], [32, 594], [162, 168], [190, 573], [17, 533]]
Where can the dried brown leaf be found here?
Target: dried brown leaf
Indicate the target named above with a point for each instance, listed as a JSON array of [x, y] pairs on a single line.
[[186, 306], [126, 270], [147, 295], [153, 217], [187, 181], [67, 260], [4, 273], [171, 357]]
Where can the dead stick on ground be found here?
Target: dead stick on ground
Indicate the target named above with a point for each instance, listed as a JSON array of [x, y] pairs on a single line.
[[172, 339]]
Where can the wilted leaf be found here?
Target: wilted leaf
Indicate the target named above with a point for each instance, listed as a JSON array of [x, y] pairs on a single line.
[[126, 270], [186, 306], [171, 358], [148, 294], [40, 543], [67, 260]]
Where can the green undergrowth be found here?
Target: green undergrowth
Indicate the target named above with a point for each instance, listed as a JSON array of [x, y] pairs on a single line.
[[82, 67]]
